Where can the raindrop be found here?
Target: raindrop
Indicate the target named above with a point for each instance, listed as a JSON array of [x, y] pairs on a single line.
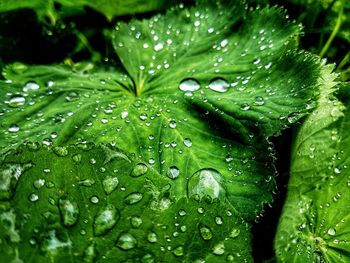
[[133, 198], [189, 85], [126, 241], [235, 233], [331, 232], [110, 184], [224, 43], [77, 158], [206, 182], [136, 221], [218, 220], [172, 124], [105, 219], [139, 169], [87, 182], [188, 142], [16, 101], [245, 107], [219, 85], [33, 197], [205, 232], [259, 101], [39, 183], [31, 85], [179, 251], [158, 46], [69, 211], [13, 128], [182, 212], [152, 237], [94, 199], [173, 172], [219, 249]]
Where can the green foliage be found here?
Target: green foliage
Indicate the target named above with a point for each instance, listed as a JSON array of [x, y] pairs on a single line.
[[162, 152], [314, 225]]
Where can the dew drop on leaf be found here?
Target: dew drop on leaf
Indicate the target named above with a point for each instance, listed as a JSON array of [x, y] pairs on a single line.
[[187, 142], [133, 198], [189, 85], [206, 182], [31, 85], [94, 199], [219, 85], [14, 128], [331, 232], [69, 211], [205, 232], [136, 221], [178, 251], [126, 241], [105, 219], [173, 172], [139, 169], [219, 249], [152, 237], [87, 182], [109, 184], [16, 101]]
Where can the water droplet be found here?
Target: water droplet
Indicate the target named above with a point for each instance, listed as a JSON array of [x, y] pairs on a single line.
[[60, 151], [182, 212], [219, 85], [77, 158], [109, 184], [158, 46], [245, 107], [218, 220], [14, 128], [87, 182], [219, 249], [39, 183], [33, 197], [188, 142], [92, 161], [133, 198], [69, 211], [331, 232], [173, 172], [148, 258], [139, 169], [31, 85], [259, 101], [105, 219], [126, 241], [152, 237], [124, 114], [189, 85], [16, 101], [235, 233], [94, 199], [172, 124], [179, 251], [136, 221], [224, 43], [206, 182], [205, 232]]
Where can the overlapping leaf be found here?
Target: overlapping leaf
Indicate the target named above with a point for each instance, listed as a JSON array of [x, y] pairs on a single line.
[[314, 226], [203, 89], [96, 204]]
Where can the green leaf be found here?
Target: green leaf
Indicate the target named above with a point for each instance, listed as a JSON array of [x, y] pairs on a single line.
[[203, 90], [97, 204], [314, 226], [110, 9]]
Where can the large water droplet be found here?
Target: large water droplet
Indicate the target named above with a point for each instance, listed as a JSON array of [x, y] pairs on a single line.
[[16, 101], [205, 232], [69, 211], [110, 184], [139, 169], [219, 249], [136, 221], [206, 182], [31, 85], [219, 85], [178, 251], [105, 219], [126, 241], [133, 198], [173, 172], [188, 142], [331, 232], [152, 237], [189, 85], [14, 128]]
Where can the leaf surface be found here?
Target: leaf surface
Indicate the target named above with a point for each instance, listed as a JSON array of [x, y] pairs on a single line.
[[314, 226]]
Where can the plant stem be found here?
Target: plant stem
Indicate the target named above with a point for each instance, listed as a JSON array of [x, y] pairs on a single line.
[[334, 32]]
